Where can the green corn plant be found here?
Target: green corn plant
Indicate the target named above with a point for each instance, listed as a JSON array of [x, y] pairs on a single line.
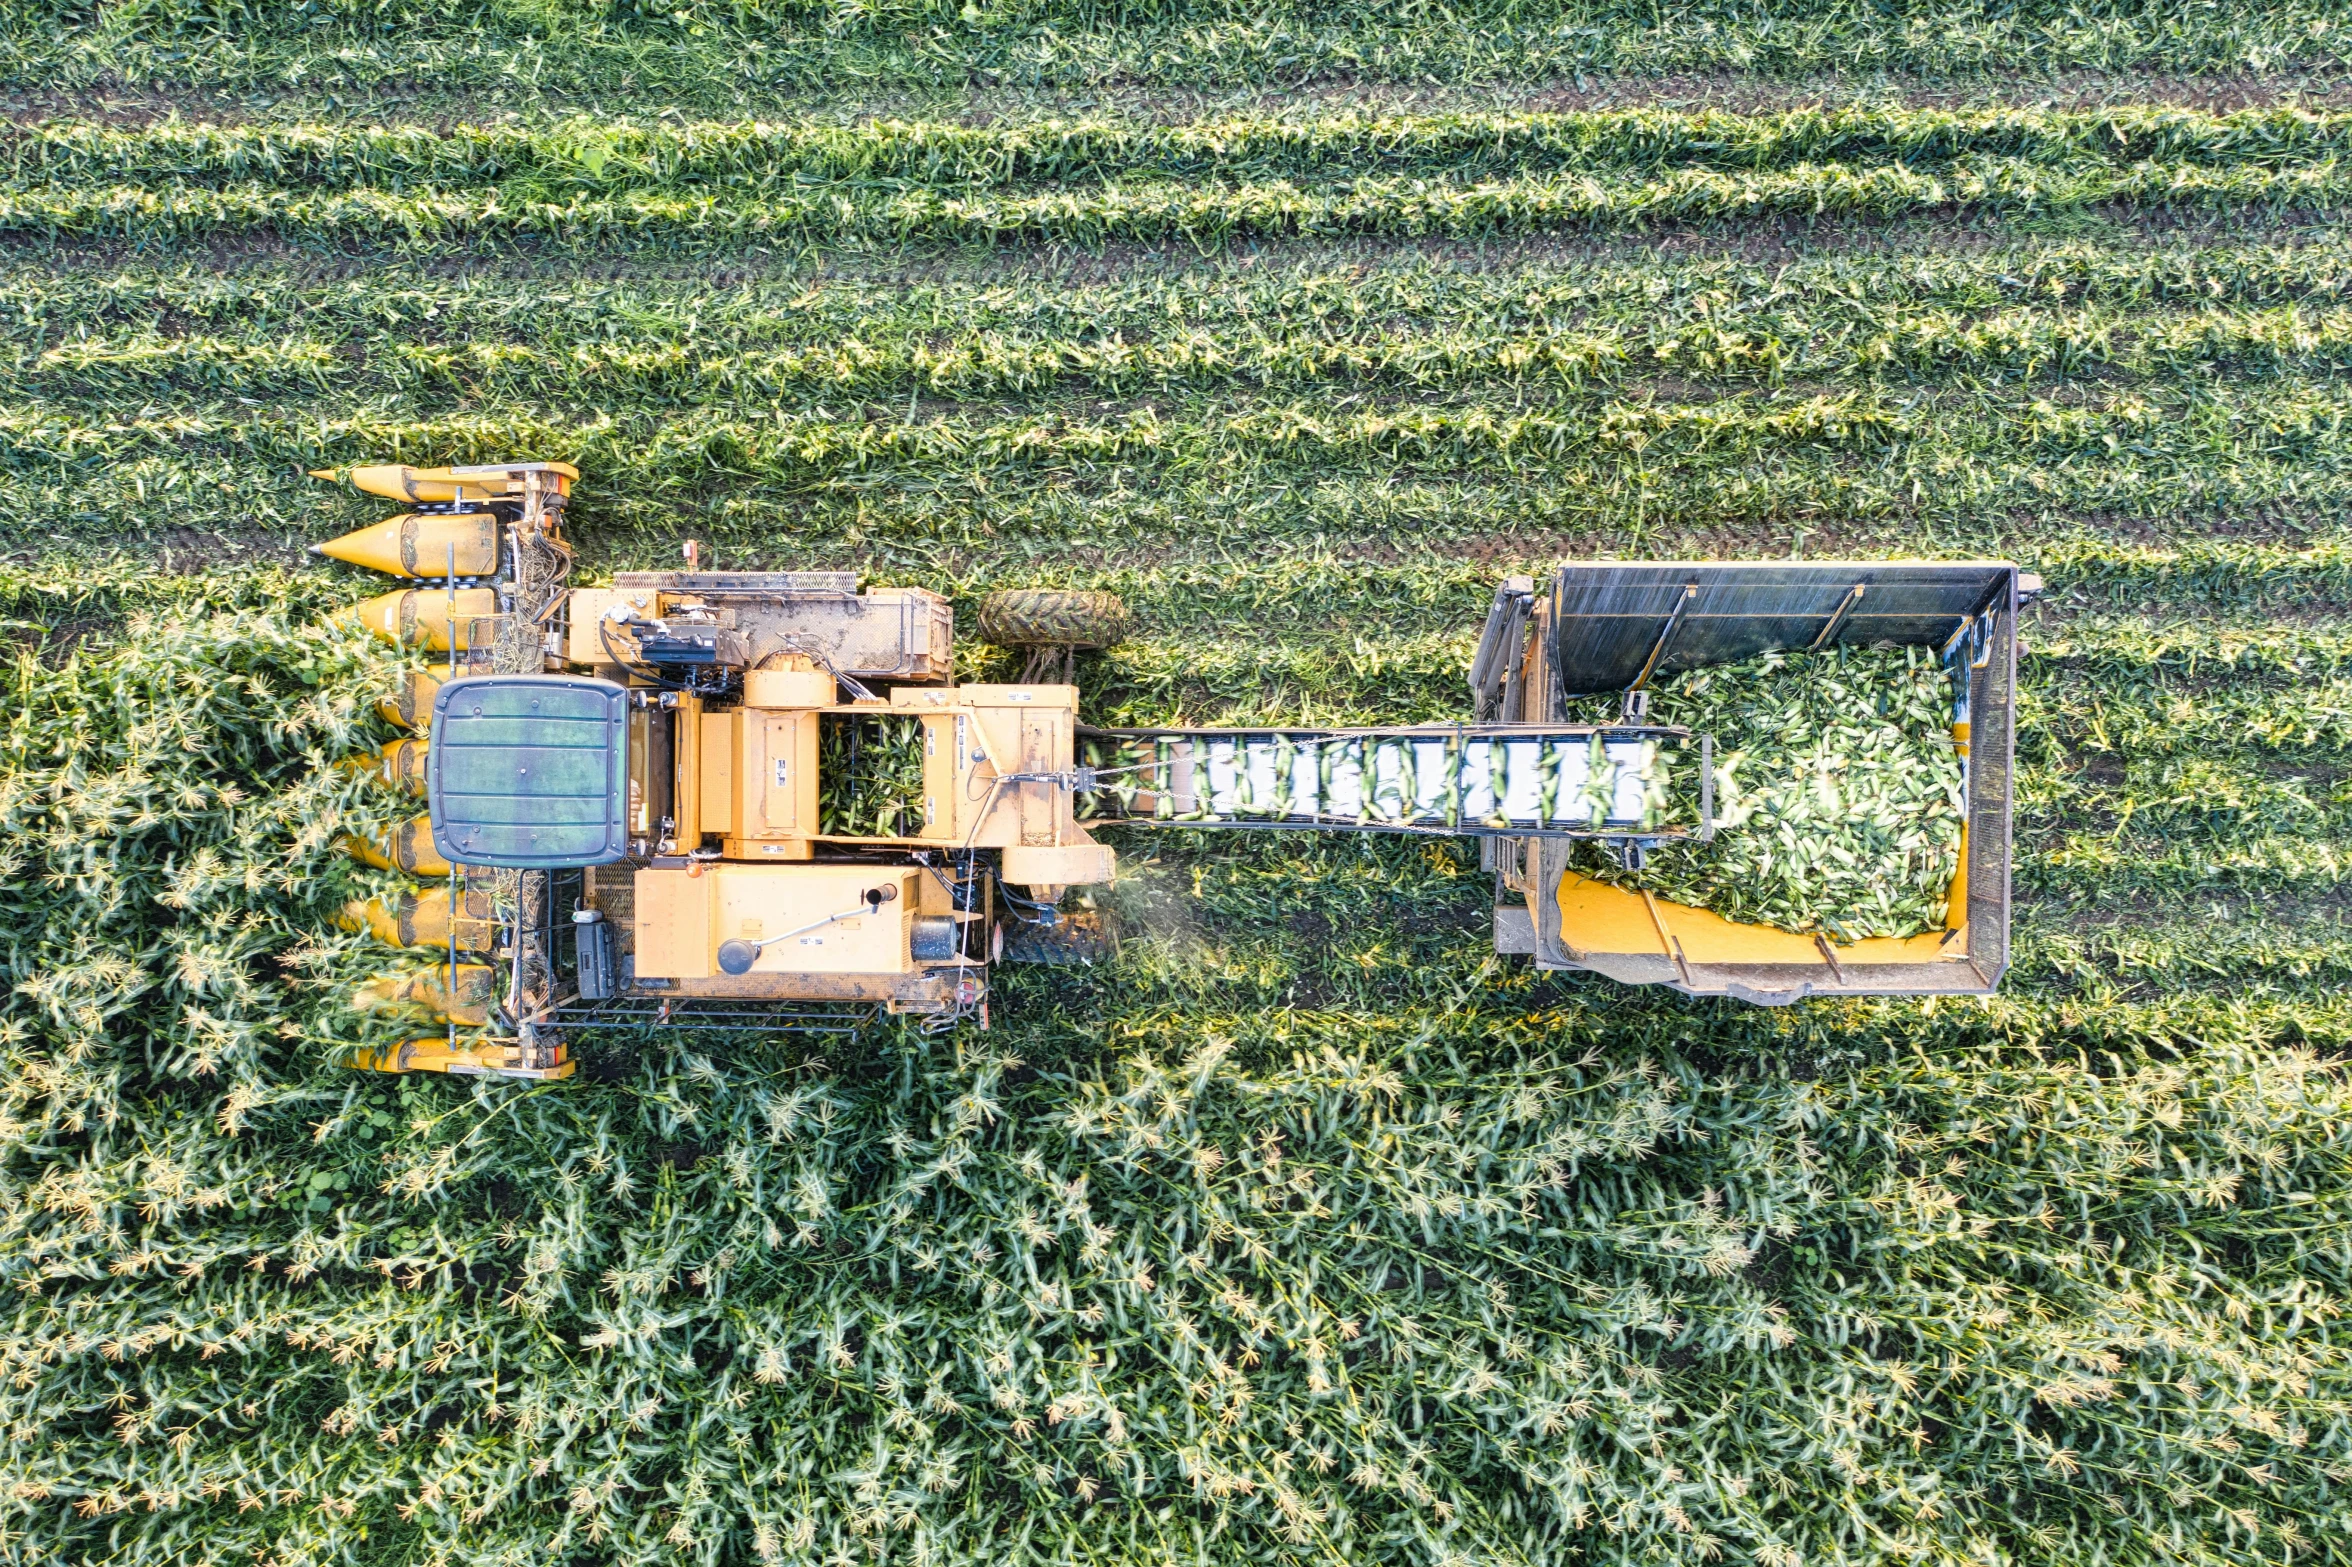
[[870, 775], [593, 155], [793, 51], [1150, 213]]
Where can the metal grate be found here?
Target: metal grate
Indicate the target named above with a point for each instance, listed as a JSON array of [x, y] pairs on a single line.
[[1618, 624], [643, 1013]]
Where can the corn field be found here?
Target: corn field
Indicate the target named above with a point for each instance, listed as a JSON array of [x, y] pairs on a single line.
[[1305, 1230]]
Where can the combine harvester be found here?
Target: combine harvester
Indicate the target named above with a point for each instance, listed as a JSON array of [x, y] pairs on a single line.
[[760, 800]]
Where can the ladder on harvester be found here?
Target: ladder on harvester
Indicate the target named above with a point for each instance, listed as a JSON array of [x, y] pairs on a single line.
[[1613, 783]]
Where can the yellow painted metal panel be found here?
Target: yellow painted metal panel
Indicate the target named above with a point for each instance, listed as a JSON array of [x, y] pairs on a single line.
[[1085, 863], [718, 772], [788, 688], [421, 919], [940, 794], [398, 482], [1598, 918], [585, 611], [775, 774], [1956, 901], [400, 764], [411, 703], [475, 1055], [464, 543], [686, 779], [429, 618], [408, 848], [1045, 748], [467, 1001], [1055, 696], [674, 912], [755, 902]]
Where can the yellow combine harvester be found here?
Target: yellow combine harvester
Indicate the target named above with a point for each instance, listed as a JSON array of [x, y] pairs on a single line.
[[759, 799]]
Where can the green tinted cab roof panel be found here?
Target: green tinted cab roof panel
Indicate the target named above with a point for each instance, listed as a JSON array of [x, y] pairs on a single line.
[[529, 772]]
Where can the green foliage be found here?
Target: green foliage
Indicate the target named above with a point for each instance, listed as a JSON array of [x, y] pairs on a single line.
[[170, 824], [1092, 183], [584, 155], [870, 775], [1306, 1229], [1322, 324], [723, 54], [1370, 206]]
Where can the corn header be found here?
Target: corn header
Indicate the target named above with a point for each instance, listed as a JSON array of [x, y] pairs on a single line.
[[761, 799]]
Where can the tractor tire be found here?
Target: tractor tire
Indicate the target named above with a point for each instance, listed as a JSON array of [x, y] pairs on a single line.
[[1045, 617], [1079, 936]]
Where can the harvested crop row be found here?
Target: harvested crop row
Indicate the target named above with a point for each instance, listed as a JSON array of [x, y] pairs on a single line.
[[1152, 213], [608, 156]]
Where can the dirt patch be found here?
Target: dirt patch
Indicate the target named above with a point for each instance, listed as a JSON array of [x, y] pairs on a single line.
[[1311, 927], [2217, 94], [2055, 616], [1728, 92], [2277, 911], [165, 551], [191, 552], [1764, 241], [53, 641]]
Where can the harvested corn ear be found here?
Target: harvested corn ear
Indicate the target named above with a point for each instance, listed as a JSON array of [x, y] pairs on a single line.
[[1839, 794]]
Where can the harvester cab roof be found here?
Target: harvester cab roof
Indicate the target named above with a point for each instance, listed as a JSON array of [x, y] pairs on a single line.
[[761, 799], [529, 772]]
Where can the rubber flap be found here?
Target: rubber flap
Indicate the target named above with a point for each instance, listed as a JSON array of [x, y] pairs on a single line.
[[529, 772]]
